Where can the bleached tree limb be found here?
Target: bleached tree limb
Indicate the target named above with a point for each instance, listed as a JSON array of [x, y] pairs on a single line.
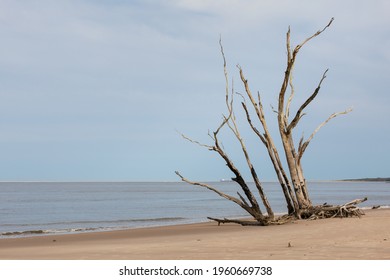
[[238, 177], [298, 47], [268, 142], [299, 114], [240, 222], [196, 142], [257, 132], [236, 132], [291, 56], [303, 145], [290, 98], [241, 203], [285, 130], [254, 209], [339, 211]]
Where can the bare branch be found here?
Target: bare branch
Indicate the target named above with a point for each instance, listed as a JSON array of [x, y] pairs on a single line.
[[288, 45], [229, 197], [269, 143], [257, 132], [290, 98], [225, 71], [248, 91], [297, 48], [238, 177], [243, 199], [240, 222], [197, 142], [273, 109], [303, 146], [298, 115], [255, 212], [291, 56], [258, 107], [236, 132]]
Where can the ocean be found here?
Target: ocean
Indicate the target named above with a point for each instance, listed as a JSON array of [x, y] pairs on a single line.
[[37, 208]]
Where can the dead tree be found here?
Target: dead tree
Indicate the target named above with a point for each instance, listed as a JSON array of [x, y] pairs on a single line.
[[293, 182]]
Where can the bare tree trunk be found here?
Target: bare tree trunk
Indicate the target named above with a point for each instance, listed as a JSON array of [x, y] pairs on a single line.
[[286, 127], [298, 182]]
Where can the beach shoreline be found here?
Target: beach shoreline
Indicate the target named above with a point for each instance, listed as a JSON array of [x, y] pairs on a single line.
[[366, 238]]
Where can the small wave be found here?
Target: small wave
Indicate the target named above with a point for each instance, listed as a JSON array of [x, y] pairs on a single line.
[[27, 232], [46, 232], [168, 219], [122, 221], [376, 207], [119, 224]]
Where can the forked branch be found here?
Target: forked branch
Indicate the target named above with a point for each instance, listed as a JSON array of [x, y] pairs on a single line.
[[229, 197], [197, 142], [291, 56], [298, 47], [299, 113], [256, 213], [303, 145]]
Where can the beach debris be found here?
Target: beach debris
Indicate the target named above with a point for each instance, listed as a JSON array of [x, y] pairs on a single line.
[[341, 211]]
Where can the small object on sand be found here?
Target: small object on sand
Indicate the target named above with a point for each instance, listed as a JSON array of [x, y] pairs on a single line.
[[289, 245]]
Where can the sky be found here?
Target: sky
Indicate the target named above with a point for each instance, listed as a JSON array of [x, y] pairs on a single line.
[[101, 90]]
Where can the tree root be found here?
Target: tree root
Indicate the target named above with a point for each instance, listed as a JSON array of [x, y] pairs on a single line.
[[329, 211], [324, 211]]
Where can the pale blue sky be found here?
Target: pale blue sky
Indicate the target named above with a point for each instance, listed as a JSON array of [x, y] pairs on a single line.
[[97, 90]]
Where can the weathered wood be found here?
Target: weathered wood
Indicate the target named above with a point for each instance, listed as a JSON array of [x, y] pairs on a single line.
[[324, 211], [286, 128], [292, 181], [329, 211], [240, 222]]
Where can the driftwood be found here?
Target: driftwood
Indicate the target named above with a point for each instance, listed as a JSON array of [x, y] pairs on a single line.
[[329, 211], [313, 213], [291, 179], [266, 222]]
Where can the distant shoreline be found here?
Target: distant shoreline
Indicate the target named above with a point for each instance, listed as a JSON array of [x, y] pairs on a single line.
[[379, 179]]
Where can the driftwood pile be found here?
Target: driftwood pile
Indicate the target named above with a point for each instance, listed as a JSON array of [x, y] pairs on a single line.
[[324, 211], [340, 211]]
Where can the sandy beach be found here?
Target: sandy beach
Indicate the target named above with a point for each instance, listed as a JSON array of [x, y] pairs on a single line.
[[366, 238]]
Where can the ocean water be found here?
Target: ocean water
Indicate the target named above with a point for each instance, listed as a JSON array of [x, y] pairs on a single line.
[[34, 208]]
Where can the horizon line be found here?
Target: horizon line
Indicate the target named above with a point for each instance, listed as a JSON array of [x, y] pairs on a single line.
[[175, 181]]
